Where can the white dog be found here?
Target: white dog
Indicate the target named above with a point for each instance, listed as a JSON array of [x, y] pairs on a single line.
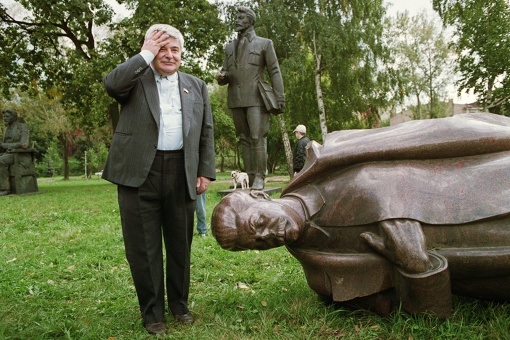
[[240, 177]]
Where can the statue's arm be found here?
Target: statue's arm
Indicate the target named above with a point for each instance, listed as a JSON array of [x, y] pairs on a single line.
[[222, 76], [25, 135], [402, 242], [273, 69]]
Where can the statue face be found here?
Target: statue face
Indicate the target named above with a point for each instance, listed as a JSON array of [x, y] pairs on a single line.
[[243, 22], [265, 225], [9, 118]]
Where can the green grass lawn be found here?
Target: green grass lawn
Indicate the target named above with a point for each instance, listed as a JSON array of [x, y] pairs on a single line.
[[63, 274]]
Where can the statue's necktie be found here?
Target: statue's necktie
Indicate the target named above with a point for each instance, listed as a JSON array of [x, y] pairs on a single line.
[[241, 47]]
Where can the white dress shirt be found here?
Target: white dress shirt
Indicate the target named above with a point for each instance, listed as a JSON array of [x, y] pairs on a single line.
[[170, 123]]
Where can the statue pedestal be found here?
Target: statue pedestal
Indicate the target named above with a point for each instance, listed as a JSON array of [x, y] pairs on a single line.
[[267, 190], [22, 174]]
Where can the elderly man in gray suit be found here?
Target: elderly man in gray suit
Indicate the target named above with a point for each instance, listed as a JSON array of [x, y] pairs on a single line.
[[161, 157], [246, 60]]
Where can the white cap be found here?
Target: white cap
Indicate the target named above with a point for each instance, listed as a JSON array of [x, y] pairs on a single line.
[[300, 128]]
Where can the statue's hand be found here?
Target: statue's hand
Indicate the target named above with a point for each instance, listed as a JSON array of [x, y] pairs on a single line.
[[402, 242], [220, 76], [281, 106]]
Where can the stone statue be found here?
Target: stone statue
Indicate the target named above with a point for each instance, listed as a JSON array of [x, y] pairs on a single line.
[[246, 60], [15, 137], [402, 215]]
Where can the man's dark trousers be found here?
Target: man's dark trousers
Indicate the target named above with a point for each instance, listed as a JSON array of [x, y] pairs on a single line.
[[162, 203]]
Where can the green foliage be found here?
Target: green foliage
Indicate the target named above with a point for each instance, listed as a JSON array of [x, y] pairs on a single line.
[[482, 30], [198, 20], [348, 36], [55, 54], [225, 139], [51, 164], [423, 59], [96, 158]]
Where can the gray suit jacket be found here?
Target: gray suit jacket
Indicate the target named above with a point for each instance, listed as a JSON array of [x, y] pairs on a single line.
[[134, 143]]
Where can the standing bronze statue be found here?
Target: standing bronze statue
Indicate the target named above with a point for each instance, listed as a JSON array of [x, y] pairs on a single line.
[[403, 215], [246, 61], [16, 136]]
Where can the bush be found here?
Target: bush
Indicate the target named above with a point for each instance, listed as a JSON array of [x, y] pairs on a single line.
[[75, 167], [51, 164]]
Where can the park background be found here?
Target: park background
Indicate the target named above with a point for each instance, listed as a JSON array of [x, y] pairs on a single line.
[[345, 64]]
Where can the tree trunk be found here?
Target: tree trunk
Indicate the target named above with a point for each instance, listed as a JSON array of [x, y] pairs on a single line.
[[320, 100], [488, 99], [64, 142], [418, 105], [286, 146], [318, 90]]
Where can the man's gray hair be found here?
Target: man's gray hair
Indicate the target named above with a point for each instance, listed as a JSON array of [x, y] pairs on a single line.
[[170, 30]]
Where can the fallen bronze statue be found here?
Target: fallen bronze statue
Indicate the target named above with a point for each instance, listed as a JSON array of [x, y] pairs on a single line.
[[396, 217]]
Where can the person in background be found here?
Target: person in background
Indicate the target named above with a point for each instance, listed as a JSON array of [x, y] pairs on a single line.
[[161, 157], [201, 215], [300, 148]]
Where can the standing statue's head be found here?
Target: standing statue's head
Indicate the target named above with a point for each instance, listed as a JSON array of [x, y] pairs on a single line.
[[252, 220], [245, 19], [9, 116]]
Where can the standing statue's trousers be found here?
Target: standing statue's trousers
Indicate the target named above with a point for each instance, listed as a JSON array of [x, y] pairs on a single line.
[[252, 127]]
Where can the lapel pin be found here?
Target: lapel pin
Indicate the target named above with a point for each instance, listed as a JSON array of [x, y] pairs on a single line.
[[186, 90]]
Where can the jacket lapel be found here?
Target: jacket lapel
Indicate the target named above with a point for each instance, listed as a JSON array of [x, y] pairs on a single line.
[[151, 94], [187, 99]]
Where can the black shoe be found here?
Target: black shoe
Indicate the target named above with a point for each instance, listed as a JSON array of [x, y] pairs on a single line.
[[186, 319], [156, 328]]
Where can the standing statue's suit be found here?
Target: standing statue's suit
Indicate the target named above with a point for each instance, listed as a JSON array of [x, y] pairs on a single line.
[[244, 71], [244, 67]]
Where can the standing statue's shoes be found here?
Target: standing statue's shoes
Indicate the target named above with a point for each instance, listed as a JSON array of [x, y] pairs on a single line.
[[156, 328], [186, 319]]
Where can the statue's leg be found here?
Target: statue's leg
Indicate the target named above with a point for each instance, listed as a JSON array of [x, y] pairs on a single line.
[[5, 161], [258, 120], [243, 133]]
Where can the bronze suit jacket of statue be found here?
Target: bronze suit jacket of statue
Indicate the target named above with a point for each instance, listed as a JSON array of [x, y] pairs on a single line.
[[453, 170], [243, 73], [134, 143], [450, 174], [16, 136]]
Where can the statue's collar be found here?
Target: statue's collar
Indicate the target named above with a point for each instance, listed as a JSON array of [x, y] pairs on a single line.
[[249, 34]]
